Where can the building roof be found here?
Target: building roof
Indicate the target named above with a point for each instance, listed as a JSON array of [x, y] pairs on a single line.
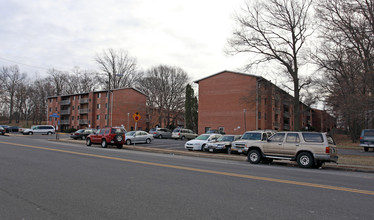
[[96, 92], [227, 71]]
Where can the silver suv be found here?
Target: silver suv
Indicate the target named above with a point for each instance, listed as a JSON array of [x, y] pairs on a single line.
[[308, 149], [241, 145]]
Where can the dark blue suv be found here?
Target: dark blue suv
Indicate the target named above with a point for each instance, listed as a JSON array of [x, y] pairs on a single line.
[[367, 139]]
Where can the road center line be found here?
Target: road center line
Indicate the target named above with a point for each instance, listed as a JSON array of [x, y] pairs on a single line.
[[337, 188]]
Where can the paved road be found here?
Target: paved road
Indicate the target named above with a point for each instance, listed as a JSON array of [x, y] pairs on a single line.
[[49, 180]]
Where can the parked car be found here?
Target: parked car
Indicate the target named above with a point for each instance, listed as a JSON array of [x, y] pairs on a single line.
[[200, 142], [241, 145], [223, 144], [6, 127], [107, 136], [138, 137], [40, 129], [82, 133], [367, 139], [160, 133], [182, 133], [2, 130], [13, 129], [214, 131], [308, 149]]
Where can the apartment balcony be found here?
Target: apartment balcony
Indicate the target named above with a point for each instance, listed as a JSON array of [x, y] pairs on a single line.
[[286, 114], [276, 111], [83, 121], [64, 122], [65, 102], [83, 111], [65, 112], [286, 126], [83, 101]]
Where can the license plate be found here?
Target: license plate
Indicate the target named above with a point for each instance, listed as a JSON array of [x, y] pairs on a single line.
[[210, 150], [239, 151]]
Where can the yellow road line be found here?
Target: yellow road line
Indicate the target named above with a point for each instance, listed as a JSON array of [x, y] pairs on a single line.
[[367, 192]]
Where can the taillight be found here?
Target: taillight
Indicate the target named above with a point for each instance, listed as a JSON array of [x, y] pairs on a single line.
[[179, 134], [361, 138], [327, 150]]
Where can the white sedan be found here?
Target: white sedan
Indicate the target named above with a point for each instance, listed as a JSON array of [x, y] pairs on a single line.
[[200, 142], [133, 137]]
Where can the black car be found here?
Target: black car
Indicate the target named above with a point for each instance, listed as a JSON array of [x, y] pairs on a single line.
[[13, 129], [82, 134]]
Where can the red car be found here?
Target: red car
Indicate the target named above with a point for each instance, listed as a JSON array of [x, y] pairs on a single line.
[[107, 136]]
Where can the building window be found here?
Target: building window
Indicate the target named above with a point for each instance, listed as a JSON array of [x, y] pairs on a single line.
[[79, 107], [56, 109], [259, 115], [77, 117], [73, 107], [98, 117], [106, 105], [207, 129], [106, 117], [72, 118], [98, 106], [98, 95], [221, 130], [50, 109]]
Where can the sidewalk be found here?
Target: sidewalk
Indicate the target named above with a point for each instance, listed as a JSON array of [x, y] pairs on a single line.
[[348, 167]]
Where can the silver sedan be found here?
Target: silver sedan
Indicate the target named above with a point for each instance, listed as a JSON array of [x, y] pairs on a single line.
[[133, 137]]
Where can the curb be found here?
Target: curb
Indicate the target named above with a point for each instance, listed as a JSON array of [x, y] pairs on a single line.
[[347, 167]]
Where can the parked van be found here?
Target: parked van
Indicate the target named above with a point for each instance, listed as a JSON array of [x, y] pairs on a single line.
[[40, 129]]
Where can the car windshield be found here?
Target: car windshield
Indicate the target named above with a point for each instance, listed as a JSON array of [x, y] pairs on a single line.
[[176, 130], [252, 136], [226, 138], [203, 137], [152, 130], [130, 133], [80, 131]]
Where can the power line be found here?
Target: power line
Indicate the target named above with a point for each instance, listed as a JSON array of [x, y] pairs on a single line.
[[12, 61]]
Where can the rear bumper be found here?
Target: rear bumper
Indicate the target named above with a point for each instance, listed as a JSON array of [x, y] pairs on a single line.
[[326, 157]]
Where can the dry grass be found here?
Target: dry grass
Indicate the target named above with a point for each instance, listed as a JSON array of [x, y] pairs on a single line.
[[343, 141], [356, 160]]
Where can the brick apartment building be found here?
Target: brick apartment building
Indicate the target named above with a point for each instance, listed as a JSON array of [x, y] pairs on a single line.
[[91, 109], [236, 102]]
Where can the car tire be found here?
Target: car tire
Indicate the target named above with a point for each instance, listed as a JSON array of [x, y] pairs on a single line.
[[88, 142], [30, 133], [254, 156], [128, 142], [202, 147], [83, 137], [183, 137], [148, 141], [228, 150], [120, 146], [104, 144], [366, 149], [160, 136], [118, 138], [49, 133], [305, 160]]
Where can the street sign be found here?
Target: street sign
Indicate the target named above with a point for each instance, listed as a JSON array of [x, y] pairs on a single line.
[[136, 116]]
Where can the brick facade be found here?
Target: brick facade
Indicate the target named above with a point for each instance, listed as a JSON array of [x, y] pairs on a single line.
[[91, 109], [237, 102]]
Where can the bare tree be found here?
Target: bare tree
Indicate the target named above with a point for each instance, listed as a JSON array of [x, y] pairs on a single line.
[[81, 81], [165, 88], [346, 57], [12, 78], [59, 79], [275, 30], [119, 68]]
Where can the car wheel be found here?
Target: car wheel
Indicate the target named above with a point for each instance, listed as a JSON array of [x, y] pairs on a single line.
[[49, 133], [104, 143], [160, 136], [183, 137], [202, 147], [128, 141], [366, 149], [148, 141], [254, 156], [88, 142], [305, 160], [30, 133], [228, 151], [120, 146], [83, 137]]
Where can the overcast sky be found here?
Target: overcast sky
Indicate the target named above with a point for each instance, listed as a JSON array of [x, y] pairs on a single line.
[[62, 34]]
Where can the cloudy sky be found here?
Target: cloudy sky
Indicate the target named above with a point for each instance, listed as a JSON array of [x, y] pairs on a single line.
[[63, 34]]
